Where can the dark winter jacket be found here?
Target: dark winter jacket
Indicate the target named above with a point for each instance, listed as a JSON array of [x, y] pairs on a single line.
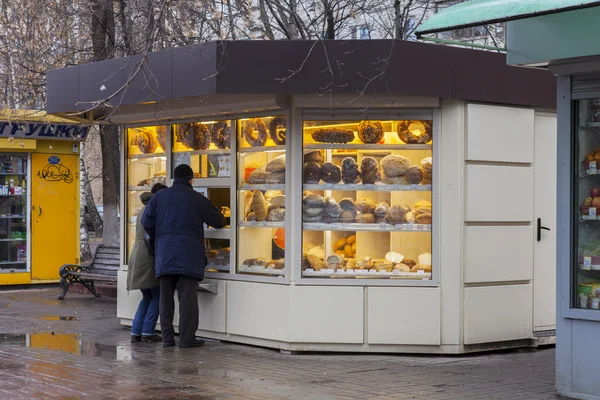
[[175, 219], [140, 272]]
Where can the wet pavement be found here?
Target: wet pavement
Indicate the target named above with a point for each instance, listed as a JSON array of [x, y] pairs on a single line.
[[76, 348]]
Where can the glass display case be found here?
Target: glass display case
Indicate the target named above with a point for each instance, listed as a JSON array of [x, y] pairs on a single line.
[[146, 166], [261, 195], [206, 147], [586, 191], [366, 206], [13, 212]]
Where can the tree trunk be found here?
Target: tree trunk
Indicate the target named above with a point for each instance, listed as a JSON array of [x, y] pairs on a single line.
[[330, 32], [109, 136], [85, 253], [88, 199], [398, 20]]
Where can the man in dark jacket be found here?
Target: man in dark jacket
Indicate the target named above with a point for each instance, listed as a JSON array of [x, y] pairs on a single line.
[[174, 219]]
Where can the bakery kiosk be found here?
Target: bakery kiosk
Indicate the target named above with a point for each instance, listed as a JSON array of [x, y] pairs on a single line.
[[381, 194]]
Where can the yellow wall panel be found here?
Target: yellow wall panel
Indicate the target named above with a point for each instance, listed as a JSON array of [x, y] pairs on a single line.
[[17, 278]]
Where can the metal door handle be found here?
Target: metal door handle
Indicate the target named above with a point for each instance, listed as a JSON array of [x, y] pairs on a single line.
[[539, 229]]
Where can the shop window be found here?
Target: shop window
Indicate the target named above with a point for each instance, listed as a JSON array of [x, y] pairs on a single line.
[[146, 165], [261, 195], [13, 212], [586, 219], [367, 209]]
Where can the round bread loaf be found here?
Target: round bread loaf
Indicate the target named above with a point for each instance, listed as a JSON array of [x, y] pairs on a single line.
[[393, 180], [369, 170], [394, 165], [381, 209], [332, 209], [410, 217], [277, 164], [414, 175], [313, 201], [311, 173], [423, 219], [331, 173], [365, 205], [276, 215], [314, 156], [365, 218], [276, 177], [308, 218], [396, 215], [347, 203], [347, 216], [350, 172], [277, 130], [257, 177], [312, 211], [370, 131], [426, 165]]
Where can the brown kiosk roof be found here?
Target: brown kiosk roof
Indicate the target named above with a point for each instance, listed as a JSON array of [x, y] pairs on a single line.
[[336, 67]]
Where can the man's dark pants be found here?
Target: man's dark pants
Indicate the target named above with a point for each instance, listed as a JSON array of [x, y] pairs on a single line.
[[187, 291]]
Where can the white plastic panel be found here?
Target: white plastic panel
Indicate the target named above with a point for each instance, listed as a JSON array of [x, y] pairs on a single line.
[[498, 313], [213, 308], [404, 316], [498, 253], [502, 134], [258, 310], [126, 302], [322, 314], [499, 193]]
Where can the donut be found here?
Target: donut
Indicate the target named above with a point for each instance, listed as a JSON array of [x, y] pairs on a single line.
[[409, 137], [161, 136], [277, 130], [370, 131], [333, 135], [144, 141], [331, 173], [193, 135], [220, 134], [255, 132], [311, 172]]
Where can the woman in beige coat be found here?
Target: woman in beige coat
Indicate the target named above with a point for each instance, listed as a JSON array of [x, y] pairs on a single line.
[[141, 275]]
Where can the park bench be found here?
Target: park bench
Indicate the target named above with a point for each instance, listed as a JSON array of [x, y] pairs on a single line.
[[103, 268]]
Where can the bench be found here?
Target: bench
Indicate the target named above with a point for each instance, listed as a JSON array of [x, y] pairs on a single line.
[[103, 268]]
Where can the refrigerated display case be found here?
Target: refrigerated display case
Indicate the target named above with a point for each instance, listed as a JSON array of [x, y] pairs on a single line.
[[13, 212], [367, 209]]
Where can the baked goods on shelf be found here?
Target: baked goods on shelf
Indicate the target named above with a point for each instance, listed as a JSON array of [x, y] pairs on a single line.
[[414, 132], [380, 211], [314, 156], [331, 211], [369, 170], [144, 140], [370, 131], [259, 205], [427, 167], [332, 135], [331, 173], [393, 166], [414, 175], [269, 206], [257, 177], [312, 208], [161, 136], [193, 135], [255, 132], [277, 164], [277, 130], [311, 173], [350, 172], [221, 134]]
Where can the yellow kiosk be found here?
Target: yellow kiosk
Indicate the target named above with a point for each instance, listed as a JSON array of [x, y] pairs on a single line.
[[39, 195]]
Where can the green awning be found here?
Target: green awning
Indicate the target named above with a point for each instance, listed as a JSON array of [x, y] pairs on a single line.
[[484, 12]]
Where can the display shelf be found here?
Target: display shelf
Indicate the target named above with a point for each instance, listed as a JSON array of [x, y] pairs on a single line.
[[593, 273], [142, 156], [11, 216], [261, 224], [12, 262], [212, 182], [260, 149], [12, 174], [203, 152], [271, 186], [321, 226], [590, 125], [212, 233], [260, 270], [217, 269], [140, 188], [364, 274], [377, 187], [373, 147]]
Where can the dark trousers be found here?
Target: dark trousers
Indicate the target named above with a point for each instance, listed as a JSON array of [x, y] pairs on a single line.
[[187, 293]]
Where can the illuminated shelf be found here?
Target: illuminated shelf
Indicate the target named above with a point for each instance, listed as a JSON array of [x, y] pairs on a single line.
[[377, 187]]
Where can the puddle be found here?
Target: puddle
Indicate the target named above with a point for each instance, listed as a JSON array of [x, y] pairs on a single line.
[[58, 318], [66, 343]]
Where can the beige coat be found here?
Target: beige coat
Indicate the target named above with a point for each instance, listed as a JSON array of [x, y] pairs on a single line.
[[141, 274]]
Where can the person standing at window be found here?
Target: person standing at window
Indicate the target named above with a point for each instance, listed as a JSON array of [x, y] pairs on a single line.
[[174, 221], [141, 275]]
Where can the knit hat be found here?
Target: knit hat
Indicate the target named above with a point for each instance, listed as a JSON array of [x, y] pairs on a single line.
[[183, 171]]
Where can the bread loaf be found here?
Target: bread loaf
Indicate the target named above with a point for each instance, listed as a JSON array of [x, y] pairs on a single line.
[[275, 177], [313, 201], [351, 239], [340, 243], [311, 173], [414, 175], [365, 218], [248, 195], [257, 177], [393, 165], [393, 180], [350, 171], [421, 267], [347, 216], [314, 156], [251, 217], [369, 170], [277, 164], [259, 205], [370, 131], [424, 219], [331, 173], [270, 194], [401, 267], [315, 263], [365, 205], [276, 215], [278, 200], [410, 218], [410, 263], [396, 215], [380, 211], [426, 165], [332, 210], [347, 203]]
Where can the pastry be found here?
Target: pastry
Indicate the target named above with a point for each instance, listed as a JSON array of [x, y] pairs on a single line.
[[421, 267], [370, 131], [408, 262], [425, 258], [347, 203], [277, 130], [193, 135], [380, 211], [332, 135], [351, 239], [259, 205], [144, 141], [410, 218], [348, 251], [314, 156], [277, 164], [365, 205], [311, 173], [255, 132], [270, 194], [251, 216], [350, 263], [248, 196], [395, 215], [420, 133], [314, 262], [332, 210], [347, 216], [394, 257], [401, 267], [414, 175], [257, 177], [427, 167], [393, 166], [331, 173], [350, 172], [423, 219], [276, 177], [220, 134], [369, 170], [339, 244], [161, 136], [276, 215], [365, 218]]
